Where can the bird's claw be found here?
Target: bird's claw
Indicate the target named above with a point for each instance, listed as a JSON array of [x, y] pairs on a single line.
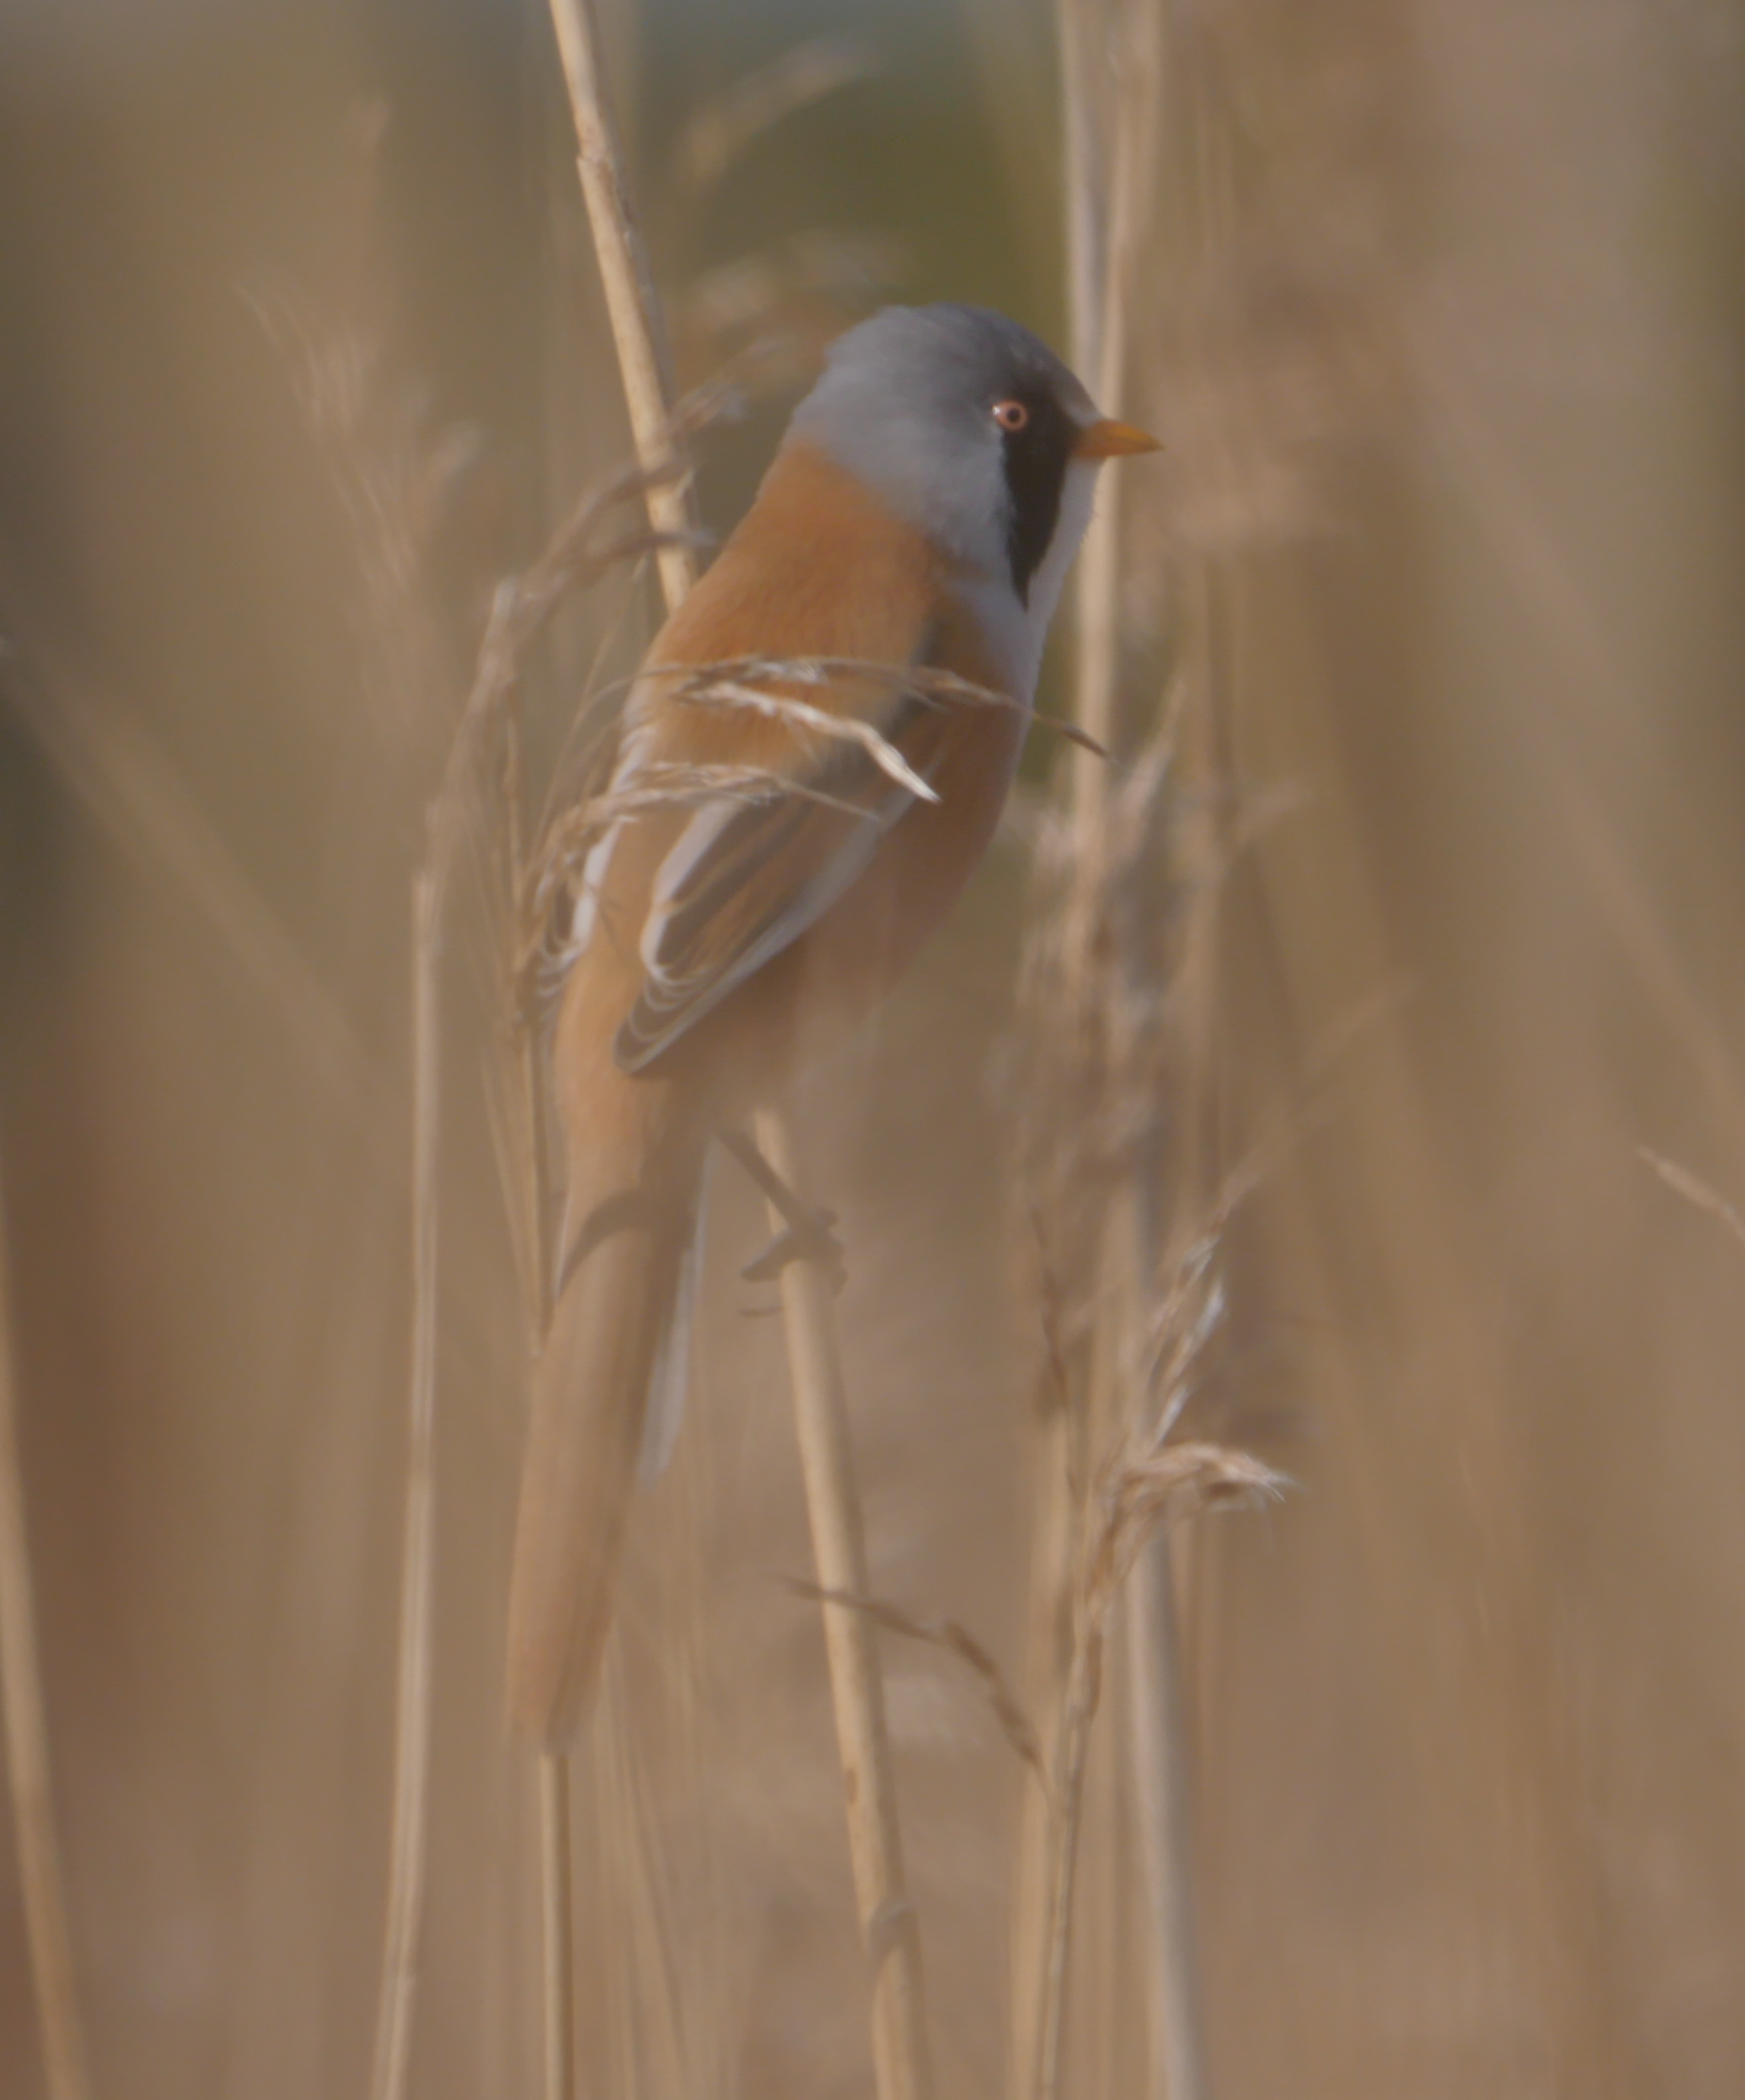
[[806, 1237]]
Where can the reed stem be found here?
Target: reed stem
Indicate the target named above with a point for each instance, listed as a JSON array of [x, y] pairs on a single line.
[[42, 1887], [888, 1924], [1083, 1681], [412, 1720], [634, 311], [1163, 1832], [632, 306], [1111, 70], [555, 1855]]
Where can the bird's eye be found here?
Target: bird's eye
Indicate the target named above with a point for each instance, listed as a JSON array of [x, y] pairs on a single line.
[[1011, 415]]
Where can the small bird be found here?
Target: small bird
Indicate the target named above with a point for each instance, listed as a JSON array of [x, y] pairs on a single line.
[[920, 517]]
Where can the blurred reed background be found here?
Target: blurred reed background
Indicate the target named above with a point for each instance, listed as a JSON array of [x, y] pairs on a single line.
[[1438, 309]]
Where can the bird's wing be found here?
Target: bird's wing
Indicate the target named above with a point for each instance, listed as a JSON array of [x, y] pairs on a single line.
[[743, 880]]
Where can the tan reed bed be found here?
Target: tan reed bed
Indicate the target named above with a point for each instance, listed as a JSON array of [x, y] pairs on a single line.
[[1467, 1731]]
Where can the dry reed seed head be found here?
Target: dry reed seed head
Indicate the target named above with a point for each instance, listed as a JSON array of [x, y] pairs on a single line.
[[571, 560], [802, 715], [800, 76], [1097, 983], [1695, 1191], [1171, 1484], [797, 297], [1180, 1339], [807, 285], [947, 1635], [757, 307], [1277, 348], [547, 891], [395, 487]]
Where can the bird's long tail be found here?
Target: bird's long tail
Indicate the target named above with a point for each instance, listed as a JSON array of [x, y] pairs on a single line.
[[633, 1194]]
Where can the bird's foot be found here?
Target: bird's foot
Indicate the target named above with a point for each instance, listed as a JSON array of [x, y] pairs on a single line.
[[806, 1233]]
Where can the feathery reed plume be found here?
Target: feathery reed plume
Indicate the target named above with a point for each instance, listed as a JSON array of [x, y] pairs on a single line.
[[1118, 1007], [718, 137], [40, 1883], [952, 1638], [1146, 1482], [1700, 1194], [1137, 1498], [393, 481], [888, 1922], [392, 493], [1477, 462], [392, 476], [520, 610], [109, 760]]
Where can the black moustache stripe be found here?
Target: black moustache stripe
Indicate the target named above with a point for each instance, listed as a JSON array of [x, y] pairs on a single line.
[[1036, 459]]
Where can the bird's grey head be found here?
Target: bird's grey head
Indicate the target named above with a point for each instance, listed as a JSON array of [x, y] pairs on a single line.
[[966, 426]]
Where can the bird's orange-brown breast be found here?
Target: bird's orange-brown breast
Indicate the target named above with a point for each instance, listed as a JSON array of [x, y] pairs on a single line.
[[818, 567]]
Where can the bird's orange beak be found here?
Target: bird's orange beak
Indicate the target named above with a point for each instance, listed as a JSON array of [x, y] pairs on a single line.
[[1109, 439]]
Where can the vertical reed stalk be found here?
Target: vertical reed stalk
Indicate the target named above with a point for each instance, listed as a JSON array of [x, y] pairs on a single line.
[[1109, 1355], [1112, 58], [1084, 1682], [631, 304], [40, 1885], [1053, 1513], [556, 1853], [1082, 70], [1053, 1555], [1159, 1735], [446, 829], [412, 1725], [1054, 1516], [888, 1923], [557, 1911], [633, 312], [1101, 267], [1163, 1832]]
